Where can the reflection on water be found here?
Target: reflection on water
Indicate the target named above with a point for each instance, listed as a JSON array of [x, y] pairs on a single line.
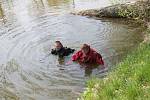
[[57, 2], [1, 11], [27, 69]]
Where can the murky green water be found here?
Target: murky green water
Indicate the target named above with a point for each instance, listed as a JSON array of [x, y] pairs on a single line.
[[28, 29]]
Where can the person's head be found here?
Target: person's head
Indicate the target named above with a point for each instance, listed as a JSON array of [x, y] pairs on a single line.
[[85, 48], [58, 45]]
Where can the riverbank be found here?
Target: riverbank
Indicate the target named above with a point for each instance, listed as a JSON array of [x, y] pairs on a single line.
[[136, 10], [130, 79]]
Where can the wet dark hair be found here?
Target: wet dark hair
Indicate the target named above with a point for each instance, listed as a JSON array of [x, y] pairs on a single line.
[[59, 43]]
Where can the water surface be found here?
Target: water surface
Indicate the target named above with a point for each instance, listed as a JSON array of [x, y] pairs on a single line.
[[28, 29]]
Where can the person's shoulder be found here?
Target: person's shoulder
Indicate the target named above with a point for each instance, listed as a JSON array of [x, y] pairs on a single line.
[[69, 49], [79, 51], [95, 52]]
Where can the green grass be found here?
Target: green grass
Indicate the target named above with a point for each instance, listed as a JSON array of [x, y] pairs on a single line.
[[130, 80]]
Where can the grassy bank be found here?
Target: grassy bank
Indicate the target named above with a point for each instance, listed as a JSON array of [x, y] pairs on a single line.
[[130, 80]]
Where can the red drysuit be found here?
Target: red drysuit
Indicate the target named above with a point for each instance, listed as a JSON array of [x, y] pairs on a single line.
[[91, 57]]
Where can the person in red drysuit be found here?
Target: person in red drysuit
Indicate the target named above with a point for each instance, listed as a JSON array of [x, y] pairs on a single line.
[[87, 55]]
